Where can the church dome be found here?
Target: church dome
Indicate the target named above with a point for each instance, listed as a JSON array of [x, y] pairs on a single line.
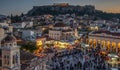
[[8, 39]]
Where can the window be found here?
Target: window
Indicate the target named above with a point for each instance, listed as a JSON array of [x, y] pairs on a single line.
[[14, 43], [7, 62], [10, 44], [0, 62], [13, 59], [0, 52], [5, 59]]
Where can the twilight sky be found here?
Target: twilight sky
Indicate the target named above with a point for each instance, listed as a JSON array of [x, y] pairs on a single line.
[[18, 6]]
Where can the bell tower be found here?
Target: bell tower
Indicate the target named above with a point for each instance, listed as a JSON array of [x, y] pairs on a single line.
[[76, 32], [10, 53]]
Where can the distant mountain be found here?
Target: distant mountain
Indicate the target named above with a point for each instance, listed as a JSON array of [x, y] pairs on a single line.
[[70, 9]]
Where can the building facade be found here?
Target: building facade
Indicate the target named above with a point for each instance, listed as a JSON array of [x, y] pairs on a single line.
[[61, 31], [109, 41], [28, 34], [9, 54]]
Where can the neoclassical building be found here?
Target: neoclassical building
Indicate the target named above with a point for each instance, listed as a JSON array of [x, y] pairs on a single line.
[[109, 41], [9, 54], [61, 31]]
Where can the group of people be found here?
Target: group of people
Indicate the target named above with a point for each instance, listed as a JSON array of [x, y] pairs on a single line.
[[96, 61], [75, 60], [66, 60]]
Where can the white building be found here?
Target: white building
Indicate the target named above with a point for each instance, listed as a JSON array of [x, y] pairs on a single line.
[[61, 31], [99, 22], [28, 35], [114, 28], [25, 24], [96, 25], [4, 24], [9, 54], [18, 25], [28, 24]]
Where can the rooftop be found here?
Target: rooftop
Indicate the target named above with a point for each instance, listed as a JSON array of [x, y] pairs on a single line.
[[106, 32], [63, 30], [8, 38], [60, 25]]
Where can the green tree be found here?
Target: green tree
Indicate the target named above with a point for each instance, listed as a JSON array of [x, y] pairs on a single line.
[[30, 46]]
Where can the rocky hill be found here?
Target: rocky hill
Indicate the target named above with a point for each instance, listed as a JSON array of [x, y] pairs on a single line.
[[71, 9], [55, 10]]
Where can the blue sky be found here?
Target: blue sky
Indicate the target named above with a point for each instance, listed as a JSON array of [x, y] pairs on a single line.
[[18, 6]]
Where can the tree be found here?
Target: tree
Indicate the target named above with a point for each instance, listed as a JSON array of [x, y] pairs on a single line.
[[30, 46], [22, 15], [15, 19]]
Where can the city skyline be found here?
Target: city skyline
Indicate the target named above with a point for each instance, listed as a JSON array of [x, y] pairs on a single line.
[[16, 7]]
